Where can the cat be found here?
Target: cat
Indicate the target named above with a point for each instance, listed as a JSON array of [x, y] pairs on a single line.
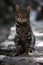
[[24, 36]]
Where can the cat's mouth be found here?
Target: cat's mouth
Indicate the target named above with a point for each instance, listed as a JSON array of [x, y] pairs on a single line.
[[21, 20]]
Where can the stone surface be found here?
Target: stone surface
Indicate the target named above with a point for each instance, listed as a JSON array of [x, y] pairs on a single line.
[[1, 57], [23, 61]]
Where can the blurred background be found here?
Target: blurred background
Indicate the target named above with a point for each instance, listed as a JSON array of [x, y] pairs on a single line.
[[7, 21]]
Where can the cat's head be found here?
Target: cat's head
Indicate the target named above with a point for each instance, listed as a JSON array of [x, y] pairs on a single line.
[[22, 14]]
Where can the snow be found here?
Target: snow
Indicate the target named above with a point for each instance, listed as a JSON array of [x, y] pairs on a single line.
[[38, 34], [39, 43], [6, 43]]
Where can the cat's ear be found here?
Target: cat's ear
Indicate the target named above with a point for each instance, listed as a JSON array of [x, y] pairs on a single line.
[[28, 8], [17, 8]]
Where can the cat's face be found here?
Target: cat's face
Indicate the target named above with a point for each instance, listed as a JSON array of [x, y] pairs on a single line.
[[21, 15]]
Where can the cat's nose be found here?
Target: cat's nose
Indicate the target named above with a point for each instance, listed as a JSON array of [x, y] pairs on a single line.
[[20, 19]]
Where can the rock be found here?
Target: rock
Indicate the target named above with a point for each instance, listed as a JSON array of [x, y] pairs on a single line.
[[7, 48], [23, 61], [1, 57], [2, 61]]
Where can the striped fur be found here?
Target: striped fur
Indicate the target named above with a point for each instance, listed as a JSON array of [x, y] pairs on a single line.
[[24, 35]]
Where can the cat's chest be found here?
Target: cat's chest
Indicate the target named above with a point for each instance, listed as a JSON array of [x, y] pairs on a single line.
[[22, 31]]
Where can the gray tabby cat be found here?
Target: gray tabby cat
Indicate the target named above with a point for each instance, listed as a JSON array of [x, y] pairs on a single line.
[[24, 36]]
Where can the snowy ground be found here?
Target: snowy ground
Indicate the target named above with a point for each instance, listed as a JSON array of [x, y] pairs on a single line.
[[37, 27]]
